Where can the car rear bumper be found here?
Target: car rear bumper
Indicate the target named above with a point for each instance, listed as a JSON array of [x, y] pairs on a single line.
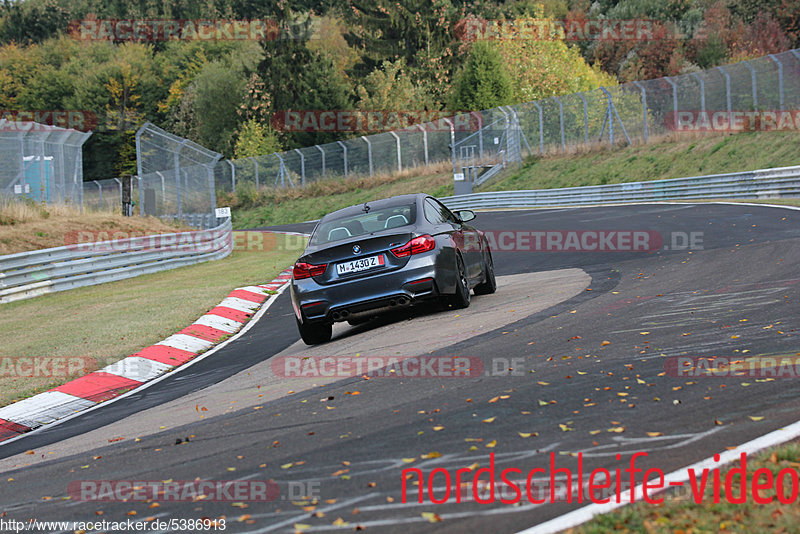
[[371, 295]]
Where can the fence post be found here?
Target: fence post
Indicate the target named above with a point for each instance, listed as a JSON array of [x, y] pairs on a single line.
[[561, 122], [609, 118], [477, 115], [255, 164], [233, 175], [125, 194], [702, 92], [518, 127], [177, 162], [727, 89], [399, 159], [585, 119], [752, 83], [138, 169], [780, 77], [344, 156], [163, 187], [369, 153], [424, 141], [541, 127], [100, 191], [302, 166], [644, 109], [452, 143], [323, 159], [674, 100]]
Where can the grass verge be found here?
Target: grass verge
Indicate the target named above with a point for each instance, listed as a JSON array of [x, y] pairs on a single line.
[[682, 515], [31, 226], [673, 156], [676, 156], [110, 321]]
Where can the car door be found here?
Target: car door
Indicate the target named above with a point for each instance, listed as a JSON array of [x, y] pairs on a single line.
[[468, 241]]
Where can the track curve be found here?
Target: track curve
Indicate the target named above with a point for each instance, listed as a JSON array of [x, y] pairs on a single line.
[[737, 293]]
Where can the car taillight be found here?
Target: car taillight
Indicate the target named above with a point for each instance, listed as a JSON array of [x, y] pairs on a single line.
[[418, 245], [305, 270]]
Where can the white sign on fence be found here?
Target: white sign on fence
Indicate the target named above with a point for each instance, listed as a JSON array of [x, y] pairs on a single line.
[[222, 212]]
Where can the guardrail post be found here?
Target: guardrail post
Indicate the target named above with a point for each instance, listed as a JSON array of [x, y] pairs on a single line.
[[644, 109], [727, 89], [752, 83], [424, 141], [344, 156], [541, 127], [302, 166], [702, 91], [233, 175], [586, 119], [323, 159], [369, 153], [561, 122], [774, 58], [399, 159]]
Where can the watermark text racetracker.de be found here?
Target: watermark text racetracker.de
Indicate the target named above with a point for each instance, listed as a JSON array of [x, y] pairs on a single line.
[[758, 367], [45, 366], [153, 30], [585, 241], [150, 524], [376, 366]]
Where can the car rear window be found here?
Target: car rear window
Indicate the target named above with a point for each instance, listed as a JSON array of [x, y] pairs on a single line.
[[375, 220]]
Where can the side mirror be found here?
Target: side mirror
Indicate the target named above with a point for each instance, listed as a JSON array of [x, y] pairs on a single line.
[[465, 215]]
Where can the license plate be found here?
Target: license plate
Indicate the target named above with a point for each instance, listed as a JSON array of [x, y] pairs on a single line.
[[362, 264]]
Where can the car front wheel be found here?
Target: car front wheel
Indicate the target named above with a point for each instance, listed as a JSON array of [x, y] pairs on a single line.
[[315, 334]]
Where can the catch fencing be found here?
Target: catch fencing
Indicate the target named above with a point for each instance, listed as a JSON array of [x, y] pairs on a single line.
[[179, 179], [40, 162]]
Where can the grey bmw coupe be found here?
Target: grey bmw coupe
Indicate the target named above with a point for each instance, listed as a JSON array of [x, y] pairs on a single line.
[[385, 255]]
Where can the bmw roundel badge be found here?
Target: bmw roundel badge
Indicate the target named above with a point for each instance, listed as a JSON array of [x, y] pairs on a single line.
[[356, 249]]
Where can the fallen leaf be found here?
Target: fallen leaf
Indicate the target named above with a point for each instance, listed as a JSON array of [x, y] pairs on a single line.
[[490, 420]]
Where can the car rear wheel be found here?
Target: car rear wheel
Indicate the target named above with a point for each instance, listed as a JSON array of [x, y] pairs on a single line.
[[489, 285], [461, 297], [315, 334]]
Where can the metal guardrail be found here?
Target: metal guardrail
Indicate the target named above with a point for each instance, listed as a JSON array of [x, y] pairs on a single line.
[[30, 274], [764, 183]]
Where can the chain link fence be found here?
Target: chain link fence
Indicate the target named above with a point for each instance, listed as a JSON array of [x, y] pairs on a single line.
[[40, 162], [742, 96], [179, 179], [175, 177]]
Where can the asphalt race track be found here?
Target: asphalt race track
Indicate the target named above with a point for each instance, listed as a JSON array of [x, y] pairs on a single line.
[[572, 356]]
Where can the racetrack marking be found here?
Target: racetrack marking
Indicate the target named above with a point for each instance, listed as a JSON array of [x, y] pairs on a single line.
[[187, 343], [304, 515], [86, 408]]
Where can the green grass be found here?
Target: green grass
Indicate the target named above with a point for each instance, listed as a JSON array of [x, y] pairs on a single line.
[[673, 157], [110, 321], [682, 515]]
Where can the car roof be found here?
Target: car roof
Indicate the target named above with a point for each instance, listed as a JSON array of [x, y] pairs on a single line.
[[355, 209]]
